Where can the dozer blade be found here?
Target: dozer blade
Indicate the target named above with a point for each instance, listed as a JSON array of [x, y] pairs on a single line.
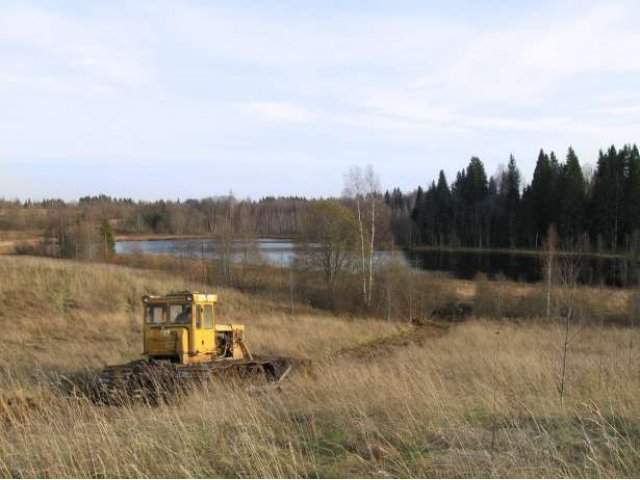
[[153, 382]]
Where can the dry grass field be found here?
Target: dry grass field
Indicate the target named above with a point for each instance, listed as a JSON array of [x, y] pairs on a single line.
[[478, 398]]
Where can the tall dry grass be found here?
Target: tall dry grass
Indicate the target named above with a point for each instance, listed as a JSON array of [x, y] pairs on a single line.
[[93, 312], [524, 301], [480, 400]]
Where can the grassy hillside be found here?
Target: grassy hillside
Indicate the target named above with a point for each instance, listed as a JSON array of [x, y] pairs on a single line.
[[479, 398]]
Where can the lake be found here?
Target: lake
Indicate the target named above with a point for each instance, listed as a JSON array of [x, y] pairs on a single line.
[[273, 250], [594, 270]]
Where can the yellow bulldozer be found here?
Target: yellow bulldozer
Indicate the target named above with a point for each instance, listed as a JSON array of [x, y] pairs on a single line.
[[183, 344]]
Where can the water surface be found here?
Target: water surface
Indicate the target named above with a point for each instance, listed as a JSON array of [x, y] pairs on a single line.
[[526, 267]]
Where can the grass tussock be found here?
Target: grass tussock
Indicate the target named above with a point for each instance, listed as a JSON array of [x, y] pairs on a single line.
[[480, 399]]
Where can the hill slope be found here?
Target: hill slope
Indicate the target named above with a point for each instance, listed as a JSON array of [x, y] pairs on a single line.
[[479, 399]]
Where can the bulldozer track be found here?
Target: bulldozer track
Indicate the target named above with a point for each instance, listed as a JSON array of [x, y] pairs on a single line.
[[153, 382]]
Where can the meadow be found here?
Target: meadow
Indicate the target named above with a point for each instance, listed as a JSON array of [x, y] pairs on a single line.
[[479, 396]]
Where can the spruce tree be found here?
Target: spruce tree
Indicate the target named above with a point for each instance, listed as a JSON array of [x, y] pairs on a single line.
[[429, 215], [492, 215], [511, 198], [444, 209], [543, 194], [632, 193], [417, 214], [527, 231], [571, 199], [107, 239], [606, 203], [473, 187]]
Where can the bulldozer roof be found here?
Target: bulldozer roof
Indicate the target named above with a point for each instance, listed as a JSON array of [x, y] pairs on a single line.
[[185, 296]]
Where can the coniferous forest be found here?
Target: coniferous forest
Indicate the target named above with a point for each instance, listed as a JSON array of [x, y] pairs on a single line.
[[595, 210]]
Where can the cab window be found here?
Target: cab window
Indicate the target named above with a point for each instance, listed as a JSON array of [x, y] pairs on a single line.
[[153, 314], [180, 313], [199, 317], [208, 316]]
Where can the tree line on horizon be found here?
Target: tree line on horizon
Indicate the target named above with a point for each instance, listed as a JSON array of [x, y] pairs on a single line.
[[598, 210], [592, 210], [211, 215], [77, 229]]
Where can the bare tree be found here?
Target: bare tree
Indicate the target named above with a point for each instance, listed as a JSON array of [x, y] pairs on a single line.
[[552, 237], [334, 229], [569, 273], [364, 187], [354, 187], [634, 311], [225, 233], [372, 186]]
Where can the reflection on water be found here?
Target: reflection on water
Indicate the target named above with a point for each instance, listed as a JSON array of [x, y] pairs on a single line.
[[466, 265], [591, 269], [274, 251]]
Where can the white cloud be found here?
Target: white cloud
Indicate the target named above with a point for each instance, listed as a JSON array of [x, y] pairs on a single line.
[[422, 74], [623, 110], [281, 112], [139, 81], [65, 53], [57, 85]]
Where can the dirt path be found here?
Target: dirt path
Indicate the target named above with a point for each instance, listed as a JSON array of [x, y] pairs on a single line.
[[388, 344]]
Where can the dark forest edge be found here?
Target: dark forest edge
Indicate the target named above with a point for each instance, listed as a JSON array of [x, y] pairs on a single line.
[[512, 251], [591, 211]]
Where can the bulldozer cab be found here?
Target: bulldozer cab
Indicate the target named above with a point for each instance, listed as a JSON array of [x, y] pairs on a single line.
[[181, 327]]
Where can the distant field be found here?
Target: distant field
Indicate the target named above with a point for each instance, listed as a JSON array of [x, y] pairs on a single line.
[[10, 239], [479, 398]]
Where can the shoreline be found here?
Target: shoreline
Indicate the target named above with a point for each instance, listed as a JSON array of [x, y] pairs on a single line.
[[515, 251], [150, 237], [9, 240]]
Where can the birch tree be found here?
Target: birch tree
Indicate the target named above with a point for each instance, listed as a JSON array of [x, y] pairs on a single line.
[[354, 187], [363, 186]]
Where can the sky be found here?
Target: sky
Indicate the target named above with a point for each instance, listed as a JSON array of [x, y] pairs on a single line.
[[185, 99]]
